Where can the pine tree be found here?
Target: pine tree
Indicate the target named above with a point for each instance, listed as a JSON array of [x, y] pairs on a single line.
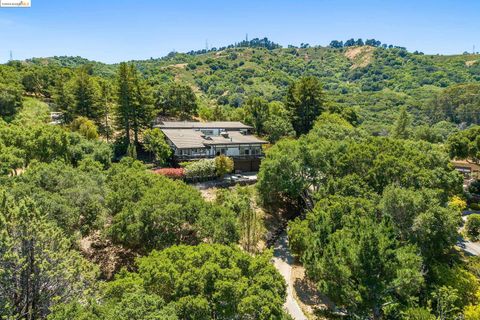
[[87, 97], [63, 98], [37, 267], [401, 126], [305, 101], [134, 108]]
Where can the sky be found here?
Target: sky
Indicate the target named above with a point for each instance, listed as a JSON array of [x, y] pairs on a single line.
[[118, 30]]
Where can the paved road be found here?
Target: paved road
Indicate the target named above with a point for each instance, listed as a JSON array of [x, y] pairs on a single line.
[[471, 248], [283, 261]]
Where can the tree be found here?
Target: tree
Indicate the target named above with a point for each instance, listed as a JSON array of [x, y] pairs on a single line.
[[37, 267], [305, 101], [256, 113], [279, 124], [11, 159], [72, 198], [134, 107], [418, 217], [401, 129], [154, 141], [179, 100], [361, 269], [188, 282], [445, 299], [465, 144], [63, 96], [225, 282], [336, 44], [277, 127], [132, 151], [106, 103], [10, 101], [456, 103], [472, 226], [86, 94], [241, 200], [145, 217]]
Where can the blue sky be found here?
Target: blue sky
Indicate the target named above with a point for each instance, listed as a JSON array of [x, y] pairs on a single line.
[[118, 30]]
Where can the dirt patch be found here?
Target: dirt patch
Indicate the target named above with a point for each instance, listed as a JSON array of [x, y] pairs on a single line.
[[306, 294], [470, 63], [360, 56], [109, 257], [179, 65], [209, 194]]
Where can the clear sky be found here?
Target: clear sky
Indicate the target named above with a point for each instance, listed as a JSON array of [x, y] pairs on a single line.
[[118, 30]]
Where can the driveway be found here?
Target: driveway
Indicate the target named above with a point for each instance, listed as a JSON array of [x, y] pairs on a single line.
[[283, 260], [471, 248]]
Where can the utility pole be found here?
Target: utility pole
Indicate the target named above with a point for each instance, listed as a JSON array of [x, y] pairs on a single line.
[[246, 37], [206, 44], [11, 55]]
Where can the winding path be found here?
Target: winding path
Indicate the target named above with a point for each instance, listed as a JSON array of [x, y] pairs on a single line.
[[283, 260]]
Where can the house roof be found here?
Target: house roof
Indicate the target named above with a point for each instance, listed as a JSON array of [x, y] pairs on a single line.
[[234, 137], [186, 139], [202, 125]]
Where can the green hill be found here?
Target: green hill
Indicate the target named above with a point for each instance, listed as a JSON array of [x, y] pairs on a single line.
[[375, 80]]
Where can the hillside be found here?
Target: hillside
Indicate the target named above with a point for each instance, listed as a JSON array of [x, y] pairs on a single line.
[[375, 80], [101, 216]]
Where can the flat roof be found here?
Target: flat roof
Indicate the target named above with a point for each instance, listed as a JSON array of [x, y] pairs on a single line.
[[202, 125], [187, 139]]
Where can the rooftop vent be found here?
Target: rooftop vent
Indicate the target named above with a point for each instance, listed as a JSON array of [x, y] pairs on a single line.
[[224, 134]]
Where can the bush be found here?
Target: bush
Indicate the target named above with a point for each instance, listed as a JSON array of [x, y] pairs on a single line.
[[474, 187], [223, 165], [473, 226], [85, 127], [201, 169], [172, 173]]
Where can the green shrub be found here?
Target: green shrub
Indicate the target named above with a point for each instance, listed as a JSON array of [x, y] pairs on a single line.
[[475, 206], [473, 226], [223, 165], [201, 169]]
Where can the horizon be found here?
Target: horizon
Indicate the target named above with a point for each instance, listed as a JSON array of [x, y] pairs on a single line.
[[111, 33]]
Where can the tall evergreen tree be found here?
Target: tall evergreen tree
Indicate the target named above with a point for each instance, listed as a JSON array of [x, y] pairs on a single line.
[[37, 267], [86, 93], [134, 109], [62, 95], [305, 101], [401, 126]]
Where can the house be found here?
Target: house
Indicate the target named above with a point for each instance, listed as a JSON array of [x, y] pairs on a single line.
[[469, 169], [198, 140]]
